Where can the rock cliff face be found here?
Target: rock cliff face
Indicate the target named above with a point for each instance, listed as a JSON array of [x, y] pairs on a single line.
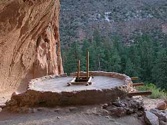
[[29, 40]]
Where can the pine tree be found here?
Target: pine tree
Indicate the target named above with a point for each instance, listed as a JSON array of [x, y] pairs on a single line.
[[115, 61], [146, 52], [144, 58], [160, 69], [130, 68], [72, 57]]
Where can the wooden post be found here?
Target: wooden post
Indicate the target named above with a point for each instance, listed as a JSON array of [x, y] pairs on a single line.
[[87, 64], [142, 93], [78, 73], [138, 84], [134, 78]]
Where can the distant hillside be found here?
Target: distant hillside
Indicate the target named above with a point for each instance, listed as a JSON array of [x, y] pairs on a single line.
[[126, 18]]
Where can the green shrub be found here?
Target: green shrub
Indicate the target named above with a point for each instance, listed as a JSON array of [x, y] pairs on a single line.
[[156, 92]]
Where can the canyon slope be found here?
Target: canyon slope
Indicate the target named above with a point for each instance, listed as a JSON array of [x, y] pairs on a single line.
[[123, 18], [29, 41]]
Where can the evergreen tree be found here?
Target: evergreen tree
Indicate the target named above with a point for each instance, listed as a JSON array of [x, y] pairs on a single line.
[[145, 48], [72, 57], [130, 68], [115, 61], [144, 58], [160, 70], [133, 54]]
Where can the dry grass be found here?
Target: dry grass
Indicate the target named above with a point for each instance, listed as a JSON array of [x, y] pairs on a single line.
[[156, 92]]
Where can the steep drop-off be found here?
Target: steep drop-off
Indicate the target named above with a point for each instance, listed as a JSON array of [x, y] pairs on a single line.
[[29, 41]]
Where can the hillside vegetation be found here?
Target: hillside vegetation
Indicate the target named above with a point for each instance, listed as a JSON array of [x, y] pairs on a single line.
[[80, 18], [145, 57], [126, 36]]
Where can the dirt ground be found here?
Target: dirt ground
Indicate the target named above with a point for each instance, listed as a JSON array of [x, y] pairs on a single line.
[[79, 115], [60, 84], [82, 115]]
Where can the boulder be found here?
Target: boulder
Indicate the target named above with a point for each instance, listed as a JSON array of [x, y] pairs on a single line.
[[125, 106], [161, 106], [162, 123], [117, 111], [151, 118], [161, 115]]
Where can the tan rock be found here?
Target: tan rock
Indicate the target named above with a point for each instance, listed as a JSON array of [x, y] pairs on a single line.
[[29, 40], [161, 106]]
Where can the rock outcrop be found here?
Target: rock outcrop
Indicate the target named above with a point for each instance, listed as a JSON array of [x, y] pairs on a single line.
[[156, 116], [151, 119], [126, 106], [29, 40], [162, 105]]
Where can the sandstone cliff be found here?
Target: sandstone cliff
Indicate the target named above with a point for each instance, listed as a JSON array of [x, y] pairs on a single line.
[[29, 40]]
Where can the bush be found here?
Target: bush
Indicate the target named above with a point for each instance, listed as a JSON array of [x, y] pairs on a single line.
[[156, 92]]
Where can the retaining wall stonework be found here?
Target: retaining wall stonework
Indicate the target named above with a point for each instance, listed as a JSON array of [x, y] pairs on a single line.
[[33, 98]]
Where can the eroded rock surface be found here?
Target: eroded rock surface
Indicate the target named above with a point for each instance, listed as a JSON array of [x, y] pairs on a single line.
[[151, 119], [29, 40]]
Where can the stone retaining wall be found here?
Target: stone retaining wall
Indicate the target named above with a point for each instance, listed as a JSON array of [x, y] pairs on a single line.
[[32, 98]]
